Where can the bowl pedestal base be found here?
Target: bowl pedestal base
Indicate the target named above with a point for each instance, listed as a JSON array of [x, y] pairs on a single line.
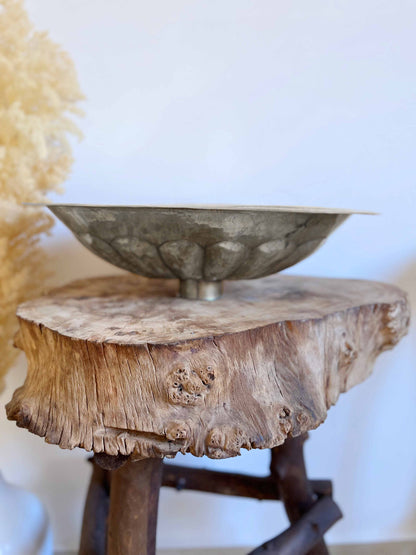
[[201, 290]]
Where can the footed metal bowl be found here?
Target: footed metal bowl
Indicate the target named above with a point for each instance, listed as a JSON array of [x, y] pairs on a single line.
[[200, 245]]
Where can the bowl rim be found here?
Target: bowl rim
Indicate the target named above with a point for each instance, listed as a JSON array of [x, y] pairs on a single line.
[[210, 207]]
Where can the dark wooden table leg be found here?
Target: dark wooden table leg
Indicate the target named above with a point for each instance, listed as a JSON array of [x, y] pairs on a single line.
[[302, 536], [134, 498], [288, 467], [94, 524]]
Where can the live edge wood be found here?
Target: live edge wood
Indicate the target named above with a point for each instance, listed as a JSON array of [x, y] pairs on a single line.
[[121, 366]]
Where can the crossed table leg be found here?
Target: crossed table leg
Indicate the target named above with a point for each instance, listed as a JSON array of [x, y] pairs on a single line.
[[121, 509]]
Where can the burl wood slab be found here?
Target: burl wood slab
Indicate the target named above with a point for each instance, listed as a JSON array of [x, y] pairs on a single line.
[[120, 365]]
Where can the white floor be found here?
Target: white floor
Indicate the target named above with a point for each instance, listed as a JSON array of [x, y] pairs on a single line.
[[396, 548]]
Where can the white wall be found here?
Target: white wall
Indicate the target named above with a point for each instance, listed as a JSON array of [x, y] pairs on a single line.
[[239, 101]]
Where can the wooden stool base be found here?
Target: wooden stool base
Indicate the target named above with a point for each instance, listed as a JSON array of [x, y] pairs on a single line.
[[122, 367], [120, 514]]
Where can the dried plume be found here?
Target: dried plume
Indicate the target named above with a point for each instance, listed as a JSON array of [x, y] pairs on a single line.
[[39, 93]]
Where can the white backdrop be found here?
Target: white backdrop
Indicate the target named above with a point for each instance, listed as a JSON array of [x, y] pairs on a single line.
[[265, 102]]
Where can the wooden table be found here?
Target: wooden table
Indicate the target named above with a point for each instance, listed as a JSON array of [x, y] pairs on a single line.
[[122, 367]]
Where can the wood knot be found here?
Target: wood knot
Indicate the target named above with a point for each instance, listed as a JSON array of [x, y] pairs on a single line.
[[285, 412], [225, 441], [177, 430], [302, 419], [348, 353], [190, 387]]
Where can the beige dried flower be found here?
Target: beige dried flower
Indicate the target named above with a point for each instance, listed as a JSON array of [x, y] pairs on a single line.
[[38, 94]]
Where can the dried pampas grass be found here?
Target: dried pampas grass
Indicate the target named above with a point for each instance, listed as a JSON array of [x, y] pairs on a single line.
[[38, 94]]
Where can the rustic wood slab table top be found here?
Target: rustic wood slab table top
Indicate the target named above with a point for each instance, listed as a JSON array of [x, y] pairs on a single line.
[[123, 367]]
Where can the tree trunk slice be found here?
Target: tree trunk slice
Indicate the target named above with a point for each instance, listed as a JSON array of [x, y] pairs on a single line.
[[121, 366]]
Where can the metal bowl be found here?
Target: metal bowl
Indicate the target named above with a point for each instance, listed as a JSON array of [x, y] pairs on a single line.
[[200, 245]]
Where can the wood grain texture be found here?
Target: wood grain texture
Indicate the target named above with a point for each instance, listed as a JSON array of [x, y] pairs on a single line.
[[119, 365], [134, 500]]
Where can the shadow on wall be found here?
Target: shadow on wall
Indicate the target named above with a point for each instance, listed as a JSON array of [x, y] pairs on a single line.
[[406, 279], [386, 408], [69, 260]]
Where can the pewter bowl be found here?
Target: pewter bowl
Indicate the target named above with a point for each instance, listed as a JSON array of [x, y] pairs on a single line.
[[201, 245]]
